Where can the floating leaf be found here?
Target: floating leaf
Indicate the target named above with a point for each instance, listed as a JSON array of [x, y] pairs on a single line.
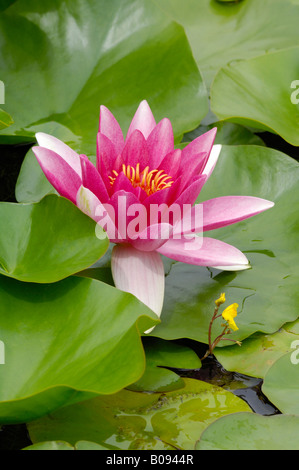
[[249, 431], [160, 355], [60, 445], [51, 445], [259, 351], [281, 383], [134, 420], [79, 55], [5, 119], [227, 134], [47, 241], [65, 342], [265, 93], [219, 33]]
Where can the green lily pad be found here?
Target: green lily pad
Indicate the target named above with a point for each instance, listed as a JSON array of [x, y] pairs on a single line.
[[281, 383], [81, 54], [262, 91], [5, 120], [267, 293], [51, 445], [134, 420], [65, 342], [228, 1], [60, 445], [227, 134], [160, 354], [259, 352], [221, 32], [37, 245], [86, 445], [249, 431]]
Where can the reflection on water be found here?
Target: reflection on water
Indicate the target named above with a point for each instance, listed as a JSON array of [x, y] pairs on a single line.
[[247, 388]]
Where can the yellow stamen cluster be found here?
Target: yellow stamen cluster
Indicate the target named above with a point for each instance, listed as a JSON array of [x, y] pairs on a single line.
[[149, 181]]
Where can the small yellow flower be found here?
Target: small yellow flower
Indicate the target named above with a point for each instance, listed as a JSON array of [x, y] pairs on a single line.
[[229, 314], [221, 300]]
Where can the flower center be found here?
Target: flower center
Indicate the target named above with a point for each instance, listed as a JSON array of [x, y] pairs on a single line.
[[149, 181]]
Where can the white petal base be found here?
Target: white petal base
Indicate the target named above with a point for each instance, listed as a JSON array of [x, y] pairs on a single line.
[[140, 273]]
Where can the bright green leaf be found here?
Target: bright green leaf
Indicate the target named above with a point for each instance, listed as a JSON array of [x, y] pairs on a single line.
[[227, 134], [47, 241], [220, 33], [281, 383], [52, 445], [248, 431], [79, 55], [265, 91], [5, 120], [259, 352], [65, 342], [60, 445]]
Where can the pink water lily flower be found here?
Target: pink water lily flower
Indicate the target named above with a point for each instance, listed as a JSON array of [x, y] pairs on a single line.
[[136, 175]]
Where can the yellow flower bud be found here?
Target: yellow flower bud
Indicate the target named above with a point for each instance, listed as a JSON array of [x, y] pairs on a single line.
[[221, 300]]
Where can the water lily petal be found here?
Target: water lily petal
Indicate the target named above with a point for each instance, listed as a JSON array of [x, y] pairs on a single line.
[[141, 273], [88, 203], [58, 172], [204, 252], [171, 163], [122, 183], [106, 153], [135, 150], [191, 192], [165, 196], [193, 168], [222, 211], [237, 267], [213, 158], [110, 128], [120, 203], [153, 237], [160, 142], [227, 210], [52, 143], [202, 144], [92, 180], [143, 120]]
